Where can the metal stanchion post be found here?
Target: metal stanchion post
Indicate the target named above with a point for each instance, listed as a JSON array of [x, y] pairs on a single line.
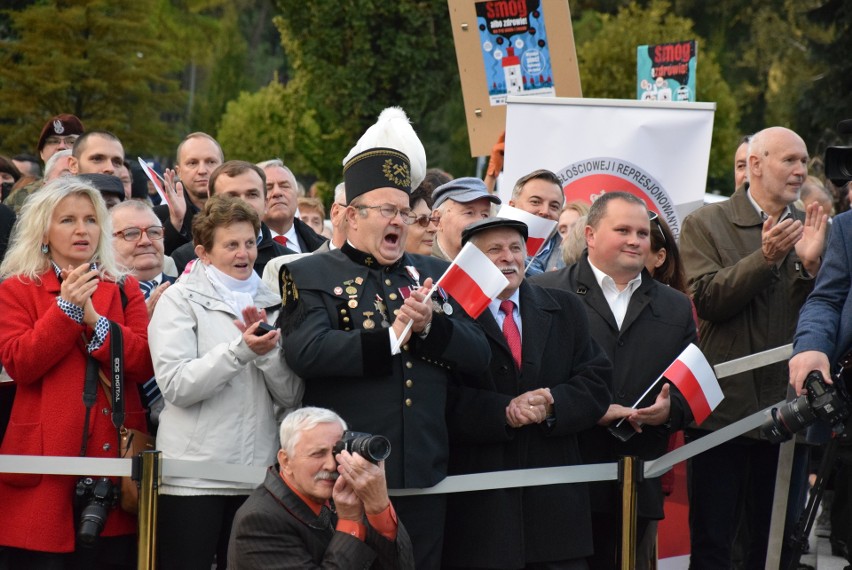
[[629, 474], [148, 494]]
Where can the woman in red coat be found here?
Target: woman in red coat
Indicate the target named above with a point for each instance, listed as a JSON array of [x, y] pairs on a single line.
[[60, 287]]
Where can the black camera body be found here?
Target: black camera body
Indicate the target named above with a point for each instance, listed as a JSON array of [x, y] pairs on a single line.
[[373, 448], [828, 402], [95, 497]]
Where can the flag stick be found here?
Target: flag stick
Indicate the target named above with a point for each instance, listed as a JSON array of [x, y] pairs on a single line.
[[408, 326]]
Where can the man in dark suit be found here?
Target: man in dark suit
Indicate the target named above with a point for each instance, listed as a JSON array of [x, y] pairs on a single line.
[[288, 521], [643, 326], [547, 381], [247, 182], [281, 206], [198, 155]]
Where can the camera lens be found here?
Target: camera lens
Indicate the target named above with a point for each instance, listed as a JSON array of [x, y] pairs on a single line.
[[92, 523], [788, 419], [374, 448]]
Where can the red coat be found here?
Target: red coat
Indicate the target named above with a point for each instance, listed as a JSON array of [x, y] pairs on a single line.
[[43, 350]]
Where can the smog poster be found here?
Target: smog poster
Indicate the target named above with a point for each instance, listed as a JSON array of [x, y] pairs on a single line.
[[666, 72], [515, 49]]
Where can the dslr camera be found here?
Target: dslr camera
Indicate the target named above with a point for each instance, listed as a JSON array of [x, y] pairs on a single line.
[[95, 497], [373, 448], [828, 402]]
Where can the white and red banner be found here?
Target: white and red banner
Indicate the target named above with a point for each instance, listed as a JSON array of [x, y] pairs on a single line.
[[473, 280], [658, 151], [694, 377], [540, 229]]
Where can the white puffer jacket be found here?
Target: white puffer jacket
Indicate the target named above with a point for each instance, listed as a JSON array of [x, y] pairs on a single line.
[[218, 393]]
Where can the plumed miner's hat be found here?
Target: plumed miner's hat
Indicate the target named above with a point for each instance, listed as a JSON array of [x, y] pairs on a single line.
[[388, 154]]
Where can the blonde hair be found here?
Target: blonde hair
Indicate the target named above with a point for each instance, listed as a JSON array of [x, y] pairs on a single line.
[[574, 242], [24, 258]]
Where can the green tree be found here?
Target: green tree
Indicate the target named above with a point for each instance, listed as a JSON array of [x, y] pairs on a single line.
[[350, 59], [274, 122], [606, 53], [106, 61], [825, 101]]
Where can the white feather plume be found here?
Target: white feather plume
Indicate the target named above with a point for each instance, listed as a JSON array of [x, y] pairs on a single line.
[[394, 130]]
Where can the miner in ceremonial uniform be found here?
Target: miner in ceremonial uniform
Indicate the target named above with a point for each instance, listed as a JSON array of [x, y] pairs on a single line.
[[344, 312]]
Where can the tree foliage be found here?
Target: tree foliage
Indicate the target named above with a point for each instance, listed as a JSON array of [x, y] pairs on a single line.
[[105, 61], [351, 59], [273, 123], [606, 53], [825, 101]]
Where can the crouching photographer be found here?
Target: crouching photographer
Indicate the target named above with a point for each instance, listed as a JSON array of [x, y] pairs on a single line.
[[61, 301], [824, 331], [323, 505]]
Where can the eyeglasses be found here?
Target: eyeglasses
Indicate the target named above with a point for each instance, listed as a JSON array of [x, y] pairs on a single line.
[[133, 234], [390, 211], [424, 220], [55, 140], [653, 217]]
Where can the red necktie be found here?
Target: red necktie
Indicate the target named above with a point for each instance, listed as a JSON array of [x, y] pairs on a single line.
[[510, 330], [281, 239]]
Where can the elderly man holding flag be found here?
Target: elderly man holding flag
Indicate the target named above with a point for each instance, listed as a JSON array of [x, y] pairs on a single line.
[[547, 380], [345, 312]]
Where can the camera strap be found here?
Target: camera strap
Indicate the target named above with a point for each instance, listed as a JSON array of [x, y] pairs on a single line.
[[116, 382]]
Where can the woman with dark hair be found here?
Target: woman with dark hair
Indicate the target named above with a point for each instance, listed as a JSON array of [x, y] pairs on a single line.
[[664, 262], [61, 291], [421, 234], [221, 371]]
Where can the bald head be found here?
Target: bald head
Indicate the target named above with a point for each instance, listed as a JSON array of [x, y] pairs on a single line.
[[777, 165]]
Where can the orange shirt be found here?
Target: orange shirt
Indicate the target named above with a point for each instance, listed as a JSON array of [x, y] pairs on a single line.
[[385, 522]]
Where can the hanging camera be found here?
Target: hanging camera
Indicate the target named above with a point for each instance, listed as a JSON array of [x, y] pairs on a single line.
[[95, 497]]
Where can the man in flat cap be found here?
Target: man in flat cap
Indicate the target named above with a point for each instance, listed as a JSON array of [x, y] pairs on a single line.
[[457, 204], [343, 313], [547, 380], [108, 185]]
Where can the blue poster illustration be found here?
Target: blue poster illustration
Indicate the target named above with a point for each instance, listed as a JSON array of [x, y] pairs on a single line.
[[514, 49], [666, 72]]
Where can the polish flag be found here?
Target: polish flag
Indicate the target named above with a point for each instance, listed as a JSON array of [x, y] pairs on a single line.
[[153, 177], [473, 280], [540, 229], [694, 377]]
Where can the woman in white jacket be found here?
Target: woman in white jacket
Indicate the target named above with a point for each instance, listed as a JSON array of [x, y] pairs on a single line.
[[220, 377]]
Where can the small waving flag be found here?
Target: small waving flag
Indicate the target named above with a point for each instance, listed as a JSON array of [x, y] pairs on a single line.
[[155, 180], [473, 280], [540, 229], [694, 377]]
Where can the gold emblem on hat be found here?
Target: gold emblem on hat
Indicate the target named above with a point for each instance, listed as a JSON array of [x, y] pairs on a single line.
[[397, 173]]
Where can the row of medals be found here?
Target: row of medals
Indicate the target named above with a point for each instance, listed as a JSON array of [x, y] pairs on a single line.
[[380, 306]]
